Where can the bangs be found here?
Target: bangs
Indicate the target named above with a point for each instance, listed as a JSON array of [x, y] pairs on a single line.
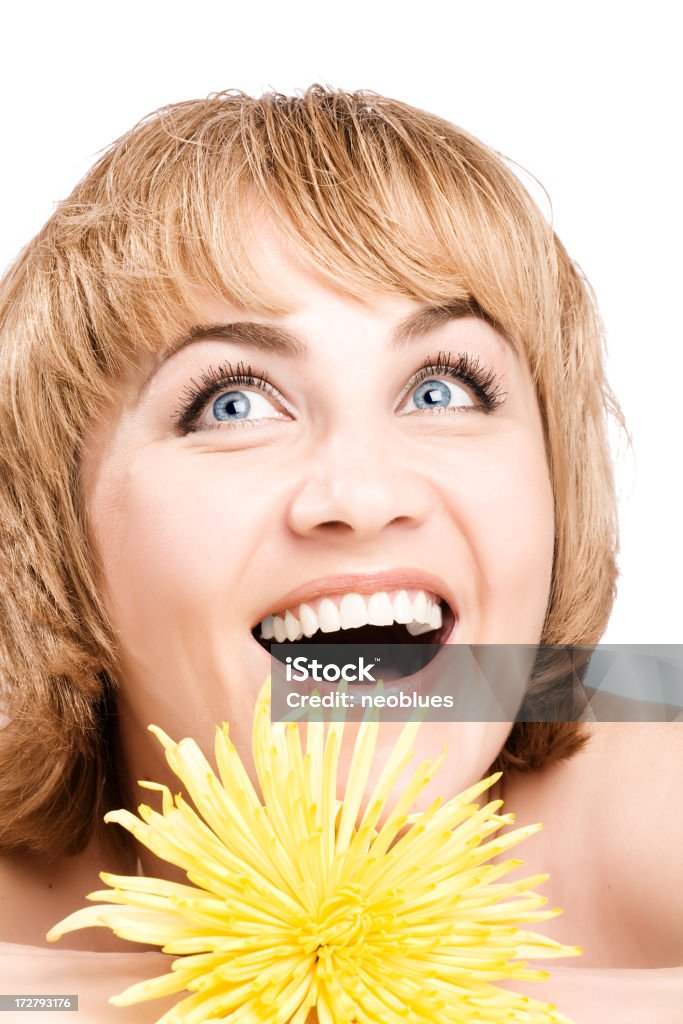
[[373, 194]]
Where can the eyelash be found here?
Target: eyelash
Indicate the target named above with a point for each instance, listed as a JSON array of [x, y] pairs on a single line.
[[467, 369], [215, 380], [462, 367]]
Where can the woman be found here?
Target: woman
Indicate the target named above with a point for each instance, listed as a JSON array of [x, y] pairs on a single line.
[[315, 353]]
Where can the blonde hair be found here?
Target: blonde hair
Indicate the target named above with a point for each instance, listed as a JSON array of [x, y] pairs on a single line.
[[381, 197]]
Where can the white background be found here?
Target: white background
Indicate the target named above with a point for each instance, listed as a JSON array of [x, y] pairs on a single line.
[[585, 95]]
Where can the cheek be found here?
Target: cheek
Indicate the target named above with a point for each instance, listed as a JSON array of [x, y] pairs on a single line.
[[507, 515], [517, 528], [174, 535]]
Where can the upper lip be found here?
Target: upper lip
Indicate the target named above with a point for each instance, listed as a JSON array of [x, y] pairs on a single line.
[[364, 583]]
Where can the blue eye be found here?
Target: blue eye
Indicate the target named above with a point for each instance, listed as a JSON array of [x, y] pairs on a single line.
[[437, 394], [234, 405], [231, 406], [229, 396]]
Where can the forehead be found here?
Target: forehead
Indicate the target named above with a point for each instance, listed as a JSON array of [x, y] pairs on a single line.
[[299, 289], [292, 300]]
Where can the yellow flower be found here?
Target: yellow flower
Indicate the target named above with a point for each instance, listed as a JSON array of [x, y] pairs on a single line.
[[295, 904]]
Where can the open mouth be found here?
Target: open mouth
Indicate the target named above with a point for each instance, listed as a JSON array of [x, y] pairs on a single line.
[[384, 617]]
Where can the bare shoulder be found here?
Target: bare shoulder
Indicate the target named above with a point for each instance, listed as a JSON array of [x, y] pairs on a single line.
[[35, 894], [92, 977], [33, 897], [633, 770], [611, 841], [636, 768]]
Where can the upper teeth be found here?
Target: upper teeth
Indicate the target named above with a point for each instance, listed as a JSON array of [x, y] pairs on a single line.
[[418, 610]]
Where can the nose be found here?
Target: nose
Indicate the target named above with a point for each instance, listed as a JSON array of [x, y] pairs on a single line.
[[358, 487]]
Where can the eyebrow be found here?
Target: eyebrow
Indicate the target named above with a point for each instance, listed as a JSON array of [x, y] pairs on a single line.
[[283, 342]]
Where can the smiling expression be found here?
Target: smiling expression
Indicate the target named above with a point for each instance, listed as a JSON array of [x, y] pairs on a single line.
[[265, 468]]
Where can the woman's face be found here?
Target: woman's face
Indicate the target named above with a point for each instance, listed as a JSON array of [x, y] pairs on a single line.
[[347, 447]]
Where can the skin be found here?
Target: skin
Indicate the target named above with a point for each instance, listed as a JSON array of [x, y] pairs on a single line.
[[201, 536], [346, 478]]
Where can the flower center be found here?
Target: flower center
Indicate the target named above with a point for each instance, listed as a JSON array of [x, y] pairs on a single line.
[[341, 924]]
